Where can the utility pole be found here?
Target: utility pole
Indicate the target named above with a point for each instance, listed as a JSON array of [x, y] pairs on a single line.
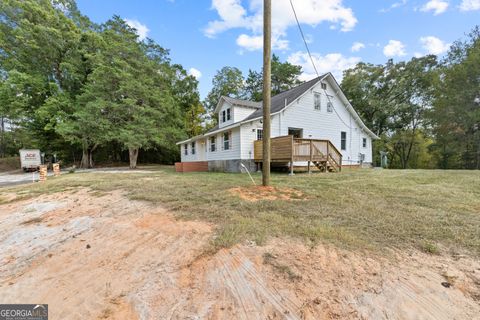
[[267, 70]]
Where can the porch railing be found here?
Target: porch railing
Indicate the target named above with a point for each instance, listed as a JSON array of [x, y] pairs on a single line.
[[290, 149]]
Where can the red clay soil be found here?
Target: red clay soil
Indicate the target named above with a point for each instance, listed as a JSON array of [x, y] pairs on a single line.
[[257, 193], [108, 257]]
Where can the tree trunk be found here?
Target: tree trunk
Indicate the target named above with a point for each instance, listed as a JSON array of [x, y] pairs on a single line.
[[87, 158], [2, 142], [133, 155]]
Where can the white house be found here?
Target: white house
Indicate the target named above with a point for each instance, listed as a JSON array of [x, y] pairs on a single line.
[[317, 109]]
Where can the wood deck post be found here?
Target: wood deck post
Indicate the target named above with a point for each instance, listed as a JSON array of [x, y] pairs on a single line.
[[311, 156], [292, 155]]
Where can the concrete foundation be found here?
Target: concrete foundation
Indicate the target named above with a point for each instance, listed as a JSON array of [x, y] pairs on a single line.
[[231, 165]]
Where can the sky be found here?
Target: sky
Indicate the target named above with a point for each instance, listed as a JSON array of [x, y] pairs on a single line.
[[205, 36]]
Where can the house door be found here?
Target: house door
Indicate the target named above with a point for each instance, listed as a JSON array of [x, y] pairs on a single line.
[[295, 132]]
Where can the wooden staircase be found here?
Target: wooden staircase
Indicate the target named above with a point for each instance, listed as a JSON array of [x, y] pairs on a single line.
[[325, 163]]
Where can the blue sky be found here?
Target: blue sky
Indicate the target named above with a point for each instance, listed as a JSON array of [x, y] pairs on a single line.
[[204, 35]]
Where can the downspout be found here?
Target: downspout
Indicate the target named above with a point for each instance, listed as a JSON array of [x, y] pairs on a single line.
[[351, 137]]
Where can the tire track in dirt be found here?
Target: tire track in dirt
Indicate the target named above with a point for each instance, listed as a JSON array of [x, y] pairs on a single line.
[[135, 261]]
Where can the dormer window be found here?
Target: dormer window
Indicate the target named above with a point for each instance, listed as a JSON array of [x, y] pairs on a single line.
[[223, 116], [228, 114], [324, 86]]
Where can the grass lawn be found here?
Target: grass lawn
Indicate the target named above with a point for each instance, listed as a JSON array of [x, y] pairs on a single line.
[[430, 210]]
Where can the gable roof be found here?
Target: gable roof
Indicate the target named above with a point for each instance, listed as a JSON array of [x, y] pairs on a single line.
[[283, 99], [237, 102]]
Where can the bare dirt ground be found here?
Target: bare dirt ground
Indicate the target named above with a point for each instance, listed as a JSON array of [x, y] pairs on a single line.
[[93, 256]]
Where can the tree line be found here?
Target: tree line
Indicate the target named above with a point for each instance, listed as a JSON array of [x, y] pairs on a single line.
[[69, 86], [90, 91], [426, 111]]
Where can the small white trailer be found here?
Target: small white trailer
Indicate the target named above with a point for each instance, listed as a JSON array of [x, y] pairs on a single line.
[[30, 159]]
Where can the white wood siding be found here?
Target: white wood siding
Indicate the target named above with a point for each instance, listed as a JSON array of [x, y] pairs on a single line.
[[220, 154], [316, 124]]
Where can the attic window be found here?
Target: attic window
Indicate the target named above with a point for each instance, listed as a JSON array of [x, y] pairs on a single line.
[[330, 107], [223, 116], [317, 98], [324, 86], [228, 114], [364, 142]]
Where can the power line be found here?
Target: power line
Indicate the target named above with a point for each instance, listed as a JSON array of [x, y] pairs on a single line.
[[314, 66], [303, 37]]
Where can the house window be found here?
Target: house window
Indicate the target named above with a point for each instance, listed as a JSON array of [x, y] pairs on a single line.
[[317, 98], [226, 141], [329, 107], [223, 116], [324, 86], [259, 134], [228, 114], [185, 148], [213, 146], [364, 142], [193, 147], [344, 140]]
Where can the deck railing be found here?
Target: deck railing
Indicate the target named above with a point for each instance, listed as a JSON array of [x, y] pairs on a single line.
[[290, 149]]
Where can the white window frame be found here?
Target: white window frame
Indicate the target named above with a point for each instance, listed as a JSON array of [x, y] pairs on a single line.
[[193, 147], [224, 116], [229, 114], [319, 96], [259, 134], [185, 148], [213, 145], [342, 147], [364, 143], [329, 107], [226, 143]]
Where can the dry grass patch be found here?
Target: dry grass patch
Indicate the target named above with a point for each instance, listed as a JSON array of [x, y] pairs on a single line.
[[257, 193], [431, 210]]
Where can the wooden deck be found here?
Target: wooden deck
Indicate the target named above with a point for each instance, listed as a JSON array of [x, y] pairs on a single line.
[[321, 153]]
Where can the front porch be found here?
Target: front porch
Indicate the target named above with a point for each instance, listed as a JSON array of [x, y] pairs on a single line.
[[321, 153]]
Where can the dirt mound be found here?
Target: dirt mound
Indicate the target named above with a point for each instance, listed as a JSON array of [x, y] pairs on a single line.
[[257, 193], [111, 258]]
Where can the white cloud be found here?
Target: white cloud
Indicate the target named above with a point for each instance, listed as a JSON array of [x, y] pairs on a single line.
[[395, 6], [437, 6], [249, 15], [394, 48], [357, 46], [142, 30], [470, 5], [433, 45], [252, 43], [195, 72], [335, 63]]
